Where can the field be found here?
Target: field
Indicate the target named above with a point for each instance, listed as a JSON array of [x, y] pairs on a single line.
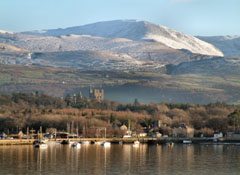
[[121, 86]]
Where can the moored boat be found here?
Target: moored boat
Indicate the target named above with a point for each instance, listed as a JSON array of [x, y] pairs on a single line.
[[67, 142], [98, 142], [136, 143], [187, 141], [40, 145], [85, 142], [106, 144], [76, 145]]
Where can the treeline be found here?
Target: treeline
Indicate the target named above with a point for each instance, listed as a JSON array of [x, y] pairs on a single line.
[[22, 110]]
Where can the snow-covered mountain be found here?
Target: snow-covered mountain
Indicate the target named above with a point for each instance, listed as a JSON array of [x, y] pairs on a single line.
[[229, 45], [152, 51], [137, 31]]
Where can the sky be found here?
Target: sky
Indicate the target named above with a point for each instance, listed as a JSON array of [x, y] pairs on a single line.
[[194, 17]]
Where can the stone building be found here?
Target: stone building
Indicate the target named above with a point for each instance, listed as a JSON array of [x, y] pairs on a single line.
[[77, 97], [97, 94]]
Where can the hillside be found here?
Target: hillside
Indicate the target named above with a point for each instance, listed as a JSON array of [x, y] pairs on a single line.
[[215, 66], [121, 86], [149, 51], [229, 45], [137, 31], [10, 54], [95, 60]]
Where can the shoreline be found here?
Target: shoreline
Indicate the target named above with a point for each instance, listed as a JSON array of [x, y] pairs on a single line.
[[130, 140]]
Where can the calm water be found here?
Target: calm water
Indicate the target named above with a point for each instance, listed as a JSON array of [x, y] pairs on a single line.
[[121, 159]]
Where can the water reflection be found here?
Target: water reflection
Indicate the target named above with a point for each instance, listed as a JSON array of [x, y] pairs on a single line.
[[120, 159]]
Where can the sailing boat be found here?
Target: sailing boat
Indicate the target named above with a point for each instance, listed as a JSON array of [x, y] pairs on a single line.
[[105, 144], [68, 141], [41, 143]]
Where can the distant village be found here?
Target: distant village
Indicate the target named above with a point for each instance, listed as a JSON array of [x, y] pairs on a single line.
[[112, 120]]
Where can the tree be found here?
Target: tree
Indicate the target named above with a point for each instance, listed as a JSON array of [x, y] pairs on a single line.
[[68, 100], [112, 118], [234, 119], [218, 124]]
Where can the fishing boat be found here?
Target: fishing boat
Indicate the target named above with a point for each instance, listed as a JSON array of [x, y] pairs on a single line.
[[76, 145]]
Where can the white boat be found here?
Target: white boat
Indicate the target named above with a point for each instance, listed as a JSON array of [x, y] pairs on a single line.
[[106, 144], [40, 145], [98, 142], [76, 145], [43, 141], [85, 142], [136, 143], [187, 141]]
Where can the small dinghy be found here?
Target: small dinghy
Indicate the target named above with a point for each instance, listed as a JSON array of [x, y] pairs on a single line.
[[76, 145]]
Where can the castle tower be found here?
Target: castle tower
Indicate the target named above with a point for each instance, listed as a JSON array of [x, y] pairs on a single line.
[[97, 94]]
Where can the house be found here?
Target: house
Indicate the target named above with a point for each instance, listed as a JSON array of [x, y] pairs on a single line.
[[183, 131], [218, 135], [15, 134]]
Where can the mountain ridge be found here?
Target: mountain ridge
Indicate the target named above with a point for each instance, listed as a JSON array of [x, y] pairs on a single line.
[[137, 30], [229, 45]]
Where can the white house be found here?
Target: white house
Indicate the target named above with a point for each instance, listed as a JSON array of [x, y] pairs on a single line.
[[218, 135]]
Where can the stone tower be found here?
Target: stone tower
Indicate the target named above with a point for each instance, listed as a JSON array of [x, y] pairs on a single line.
[[97, 94]]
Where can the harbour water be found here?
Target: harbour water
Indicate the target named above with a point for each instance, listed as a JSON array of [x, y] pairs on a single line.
[[121, 159]]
